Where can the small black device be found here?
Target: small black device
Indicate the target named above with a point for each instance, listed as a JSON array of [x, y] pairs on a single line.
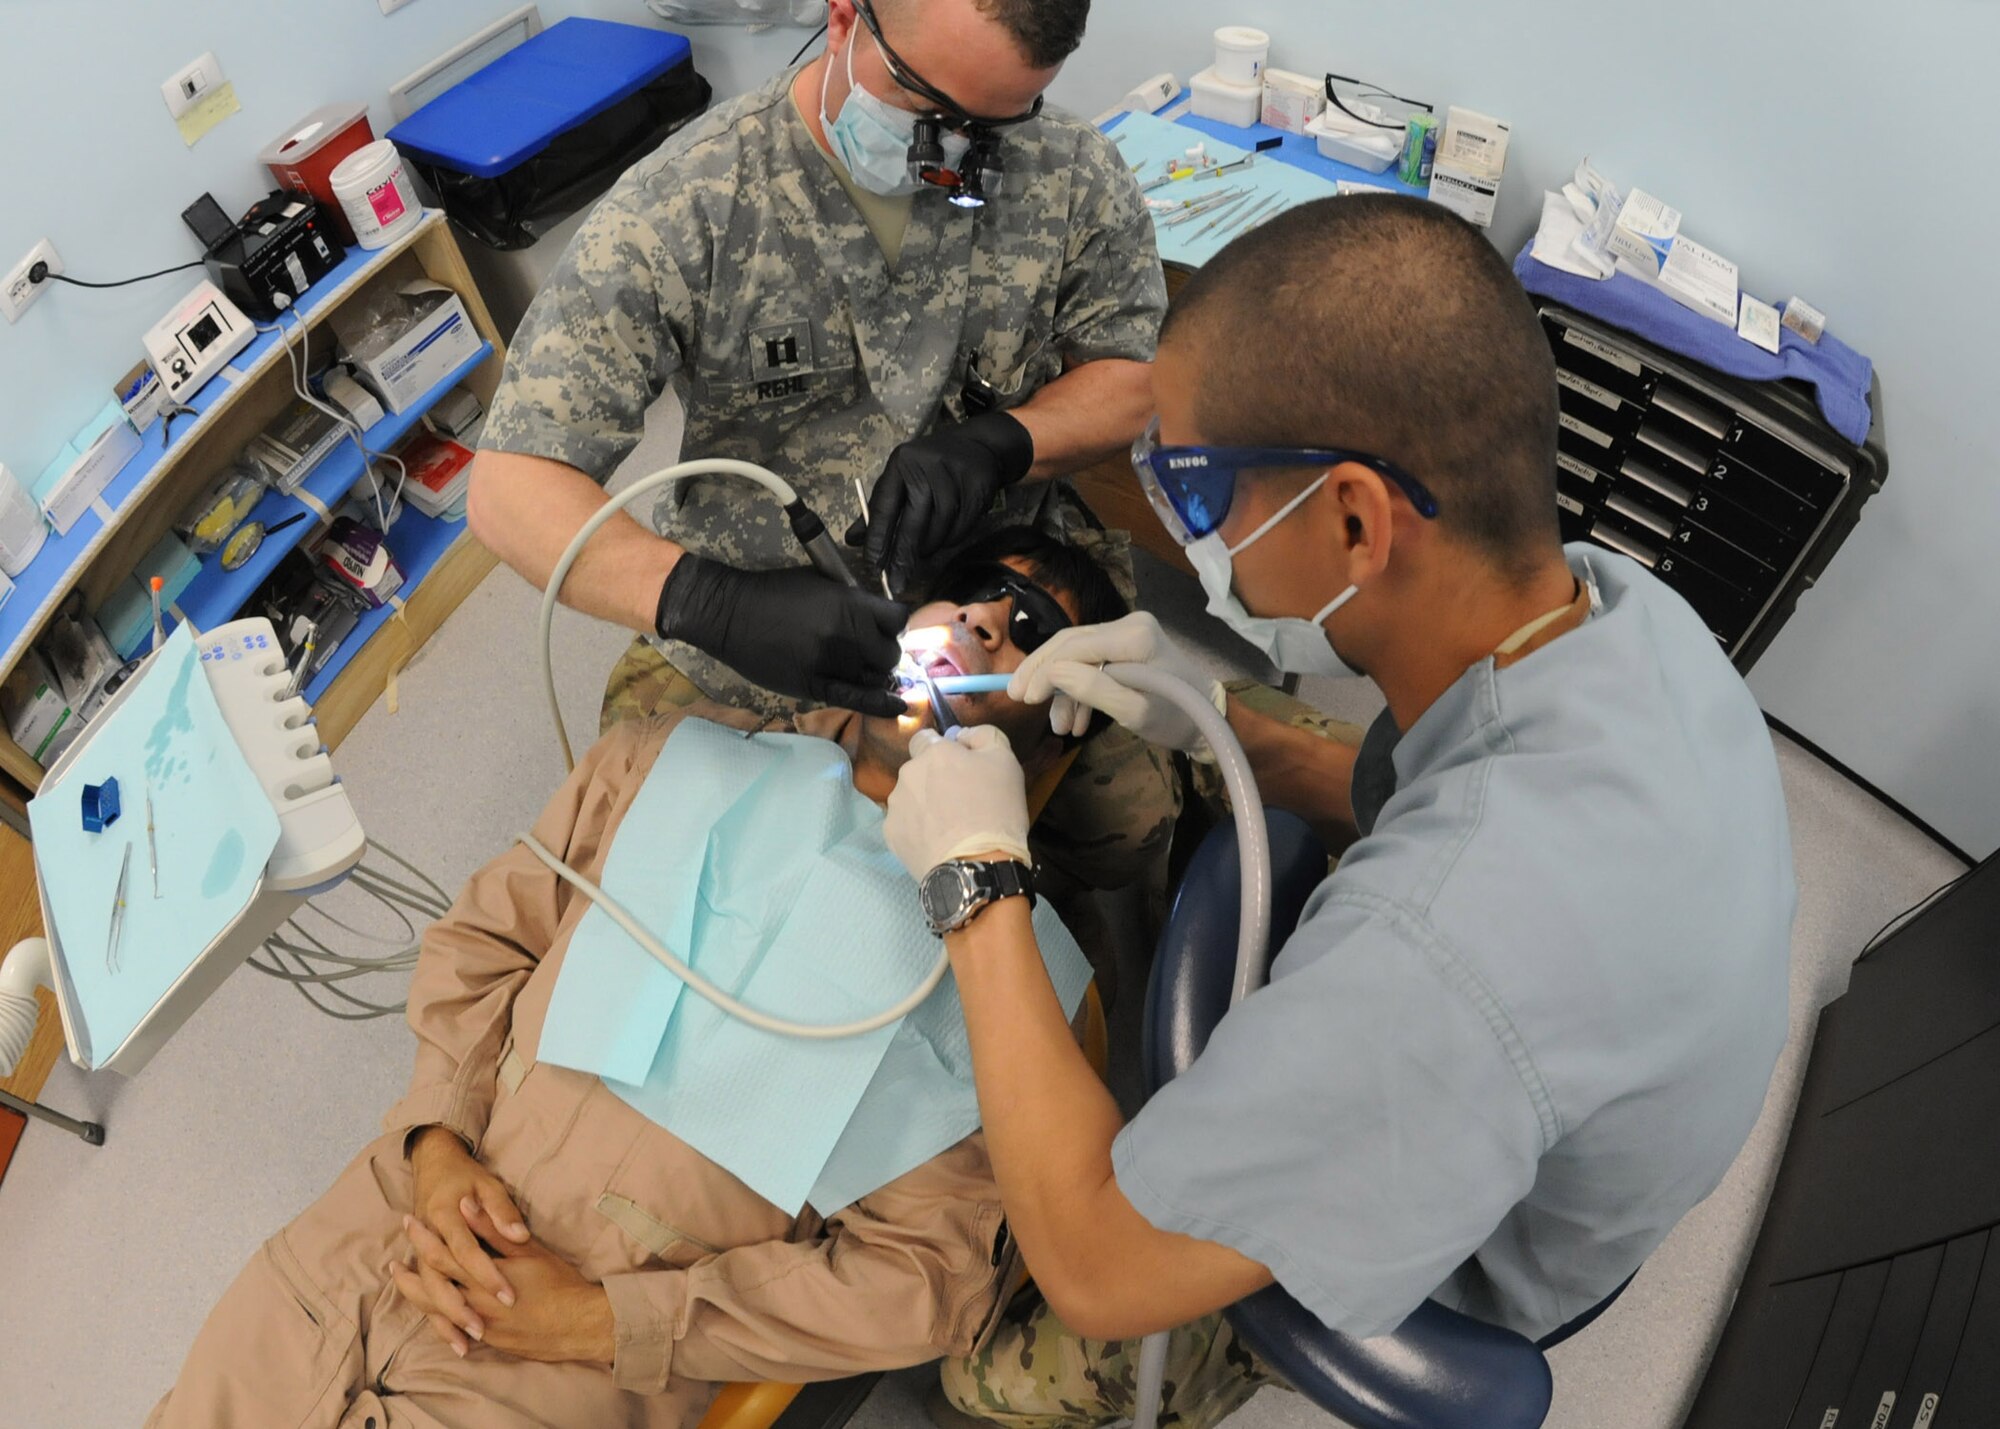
[[266, 259], [952, 892]]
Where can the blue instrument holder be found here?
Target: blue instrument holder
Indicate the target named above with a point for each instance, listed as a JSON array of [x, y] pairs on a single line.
[[100, 806]]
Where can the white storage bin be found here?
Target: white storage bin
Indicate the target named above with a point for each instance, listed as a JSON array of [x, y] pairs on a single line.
[[1226, 103]]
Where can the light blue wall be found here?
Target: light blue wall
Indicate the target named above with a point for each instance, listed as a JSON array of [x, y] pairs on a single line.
[[1833, 149], [92, 161], [1799, 136]]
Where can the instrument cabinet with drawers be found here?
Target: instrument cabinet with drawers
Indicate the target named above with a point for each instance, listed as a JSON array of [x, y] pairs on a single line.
[[1735, 493]]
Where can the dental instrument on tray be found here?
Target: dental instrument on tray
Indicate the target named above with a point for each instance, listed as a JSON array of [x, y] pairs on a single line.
[[1231, 762], [152, 845], [1243, 163], [1166, 208], [1221, 216], [118, 912], [1267, 209], [1219, 204]]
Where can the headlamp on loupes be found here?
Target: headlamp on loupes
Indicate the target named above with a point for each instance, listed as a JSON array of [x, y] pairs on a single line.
[[980, 175]]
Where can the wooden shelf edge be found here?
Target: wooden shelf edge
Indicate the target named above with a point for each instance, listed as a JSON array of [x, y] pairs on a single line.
[[439, 256], [456, 575], [21, 917]]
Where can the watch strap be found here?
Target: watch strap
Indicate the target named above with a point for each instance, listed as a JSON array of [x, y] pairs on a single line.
[[1009, 879]]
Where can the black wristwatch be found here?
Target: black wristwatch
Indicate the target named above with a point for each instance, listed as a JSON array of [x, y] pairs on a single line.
[[953, 892]]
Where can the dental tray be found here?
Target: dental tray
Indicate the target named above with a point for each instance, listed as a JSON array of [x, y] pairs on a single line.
[[319, 836]]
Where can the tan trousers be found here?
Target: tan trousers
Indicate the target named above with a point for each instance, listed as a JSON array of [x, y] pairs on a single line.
[[313, 1336]]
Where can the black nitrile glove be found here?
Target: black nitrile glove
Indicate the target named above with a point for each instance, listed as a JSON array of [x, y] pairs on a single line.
[[936, 489], [793, 631]]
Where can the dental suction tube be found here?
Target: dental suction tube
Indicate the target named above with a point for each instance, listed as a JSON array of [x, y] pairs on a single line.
[[819, 546], [1253, 842], [1253, 928], [805, 525]]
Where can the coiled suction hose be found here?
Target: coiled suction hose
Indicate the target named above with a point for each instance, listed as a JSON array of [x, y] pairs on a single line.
[[1230, 760]]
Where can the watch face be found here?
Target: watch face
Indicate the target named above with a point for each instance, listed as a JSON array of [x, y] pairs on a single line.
[[944, 893]]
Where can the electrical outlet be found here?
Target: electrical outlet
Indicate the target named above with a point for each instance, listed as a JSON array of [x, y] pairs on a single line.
[[16, 292], [184, 88], [390, 7]]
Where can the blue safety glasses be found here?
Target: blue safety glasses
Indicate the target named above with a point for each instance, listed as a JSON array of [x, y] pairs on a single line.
[[1191, 487]]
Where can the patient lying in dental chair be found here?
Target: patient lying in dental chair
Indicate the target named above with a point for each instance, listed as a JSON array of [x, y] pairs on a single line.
[[522, 1247]]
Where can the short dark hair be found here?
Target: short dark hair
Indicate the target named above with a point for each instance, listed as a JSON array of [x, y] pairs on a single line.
[[1385, 324], [1048, 31]]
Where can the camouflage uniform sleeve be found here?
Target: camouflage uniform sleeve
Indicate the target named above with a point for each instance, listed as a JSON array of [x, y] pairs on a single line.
[[598, 345], [1113, 292]]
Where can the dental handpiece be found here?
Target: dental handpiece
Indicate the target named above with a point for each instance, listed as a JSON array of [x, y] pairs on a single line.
[[820, 549]]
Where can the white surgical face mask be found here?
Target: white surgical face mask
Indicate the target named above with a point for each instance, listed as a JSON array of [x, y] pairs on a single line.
[[871, 137], [1294, 644]]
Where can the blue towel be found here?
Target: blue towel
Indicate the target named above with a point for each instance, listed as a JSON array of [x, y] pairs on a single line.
[[1838, 374]]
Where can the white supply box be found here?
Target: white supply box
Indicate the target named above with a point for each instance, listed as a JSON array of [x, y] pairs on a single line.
[[1699, 278], [1645, 231], [72, 493], [1292, 101], [1471, 157], [422, 357], [1648, 244]]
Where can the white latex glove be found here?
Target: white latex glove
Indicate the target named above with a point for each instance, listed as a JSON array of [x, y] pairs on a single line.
[[958, 797], [1066, 672]]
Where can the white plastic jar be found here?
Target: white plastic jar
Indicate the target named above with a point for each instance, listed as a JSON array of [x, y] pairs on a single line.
[[1240, 53], [376, 194]]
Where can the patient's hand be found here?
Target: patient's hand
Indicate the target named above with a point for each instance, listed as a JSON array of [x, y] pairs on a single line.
[[451, 1186], [557, 1316]]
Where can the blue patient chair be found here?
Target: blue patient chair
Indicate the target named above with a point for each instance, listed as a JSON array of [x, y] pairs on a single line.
[[1439, 1369]]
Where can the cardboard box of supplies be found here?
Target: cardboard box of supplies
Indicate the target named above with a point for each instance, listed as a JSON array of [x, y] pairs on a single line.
[[38, 718], [1471, 159], [71, 483], [423, 355]]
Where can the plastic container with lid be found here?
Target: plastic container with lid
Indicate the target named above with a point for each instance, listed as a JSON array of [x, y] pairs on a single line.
[[1240, 53], [1225, 102], [304, 157], [1347, 140], [375, 191]]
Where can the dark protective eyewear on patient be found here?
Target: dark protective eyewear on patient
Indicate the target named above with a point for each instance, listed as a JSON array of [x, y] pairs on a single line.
[[1035, 617], [1191, 488]]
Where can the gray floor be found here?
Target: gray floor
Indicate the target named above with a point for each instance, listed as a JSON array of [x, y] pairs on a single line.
[[109, 1257]]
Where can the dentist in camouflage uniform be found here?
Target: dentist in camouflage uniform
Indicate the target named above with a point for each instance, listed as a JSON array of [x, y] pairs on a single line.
[[825, 313]]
